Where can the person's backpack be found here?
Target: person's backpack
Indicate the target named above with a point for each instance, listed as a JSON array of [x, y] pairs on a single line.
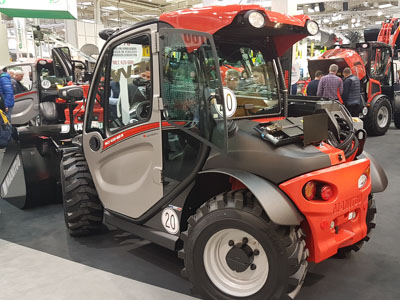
[[6, 130]]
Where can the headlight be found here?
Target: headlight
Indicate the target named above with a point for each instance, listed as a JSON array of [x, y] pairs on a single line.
[[255, 19], [312, 27]]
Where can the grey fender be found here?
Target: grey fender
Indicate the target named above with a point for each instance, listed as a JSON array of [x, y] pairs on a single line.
[[378, 176], [278, 207]]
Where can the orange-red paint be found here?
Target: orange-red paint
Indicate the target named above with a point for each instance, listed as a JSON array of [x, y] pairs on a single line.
[[213, 18], [322, 241], [335, 155]]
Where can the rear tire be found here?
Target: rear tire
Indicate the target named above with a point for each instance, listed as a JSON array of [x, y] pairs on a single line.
[[379, 117], [397, 119], [219, 226], [83, 211]]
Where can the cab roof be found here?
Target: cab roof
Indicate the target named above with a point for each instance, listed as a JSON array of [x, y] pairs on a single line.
[[213, 18]]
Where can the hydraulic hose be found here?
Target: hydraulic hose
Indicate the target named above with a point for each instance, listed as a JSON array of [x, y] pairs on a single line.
[[348, 141]]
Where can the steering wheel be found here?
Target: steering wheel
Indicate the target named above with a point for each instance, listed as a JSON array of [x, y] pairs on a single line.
[[140, 110]]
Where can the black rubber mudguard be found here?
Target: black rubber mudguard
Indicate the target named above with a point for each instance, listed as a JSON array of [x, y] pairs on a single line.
[[30, 169]]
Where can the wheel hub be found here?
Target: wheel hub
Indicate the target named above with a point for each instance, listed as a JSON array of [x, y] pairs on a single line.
[[240, 257]]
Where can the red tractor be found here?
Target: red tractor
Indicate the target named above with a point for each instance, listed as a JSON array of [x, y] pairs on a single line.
[[246, 187], [372, 62]]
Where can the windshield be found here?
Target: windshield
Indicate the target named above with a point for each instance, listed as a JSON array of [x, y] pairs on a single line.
[[252, 79]]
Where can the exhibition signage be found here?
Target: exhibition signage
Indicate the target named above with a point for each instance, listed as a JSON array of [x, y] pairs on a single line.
[[19, 25], [45, 9]]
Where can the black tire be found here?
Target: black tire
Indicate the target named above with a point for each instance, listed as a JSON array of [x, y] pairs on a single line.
[[397, 119], [284, 246], [371, 223], [372, 122], [83, 211]]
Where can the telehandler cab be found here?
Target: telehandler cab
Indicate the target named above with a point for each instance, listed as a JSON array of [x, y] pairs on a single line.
[[246, 187]]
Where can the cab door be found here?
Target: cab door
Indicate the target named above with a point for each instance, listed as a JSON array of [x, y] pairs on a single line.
[[123, 147], [26, 98]]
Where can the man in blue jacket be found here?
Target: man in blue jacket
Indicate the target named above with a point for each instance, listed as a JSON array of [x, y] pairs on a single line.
[[351, 92], [7, 92]]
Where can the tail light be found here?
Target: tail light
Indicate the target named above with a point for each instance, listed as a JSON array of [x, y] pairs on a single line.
[[326, 192], [310, 190], [315, 190]]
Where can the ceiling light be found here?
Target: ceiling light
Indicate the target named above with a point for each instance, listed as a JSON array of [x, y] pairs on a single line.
[[366, 4], [86, 3], [326, 20], [87, 21], [353, 20], [385, 5], [112, 8], [379, 13]]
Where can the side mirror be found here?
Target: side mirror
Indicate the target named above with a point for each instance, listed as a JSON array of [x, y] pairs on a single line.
[[71, 93]]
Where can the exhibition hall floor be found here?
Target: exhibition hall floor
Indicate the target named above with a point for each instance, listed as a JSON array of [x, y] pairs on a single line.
[[39, 260]]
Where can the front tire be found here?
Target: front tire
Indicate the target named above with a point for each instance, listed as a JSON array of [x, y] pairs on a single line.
[[233, 251], [379, 117], [83, 211]]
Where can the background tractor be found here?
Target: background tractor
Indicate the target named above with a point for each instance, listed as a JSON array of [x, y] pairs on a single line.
[[246, 187]]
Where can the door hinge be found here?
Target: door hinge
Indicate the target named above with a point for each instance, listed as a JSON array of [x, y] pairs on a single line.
[[157, 175], [160, 103], [157, 42]]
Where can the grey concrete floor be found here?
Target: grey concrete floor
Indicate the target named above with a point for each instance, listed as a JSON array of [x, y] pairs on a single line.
[[372, 273]]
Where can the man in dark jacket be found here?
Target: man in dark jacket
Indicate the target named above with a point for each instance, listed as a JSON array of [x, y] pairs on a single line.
[[351, 92], [312, 87], [7, 92], [16, 82]]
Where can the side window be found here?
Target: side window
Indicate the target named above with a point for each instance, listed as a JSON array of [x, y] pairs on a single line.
[[381, 66], [21, 78], [130, 86]]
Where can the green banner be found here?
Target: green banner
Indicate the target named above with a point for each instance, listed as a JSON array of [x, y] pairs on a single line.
[[45, 9]]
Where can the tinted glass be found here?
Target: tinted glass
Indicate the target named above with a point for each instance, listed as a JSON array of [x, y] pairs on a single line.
[[190, 78], [252, 79]]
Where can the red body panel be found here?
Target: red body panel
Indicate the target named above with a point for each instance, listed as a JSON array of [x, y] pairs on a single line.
[[351, 58], [213, 18], [322, 240], [370, 94]]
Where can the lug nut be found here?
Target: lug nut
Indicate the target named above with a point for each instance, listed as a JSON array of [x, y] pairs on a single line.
[[253, 267], [231, 243], [245, 240], [256, 252]]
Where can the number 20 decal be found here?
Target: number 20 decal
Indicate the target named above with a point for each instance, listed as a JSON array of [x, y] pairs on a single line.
[[170, 221]]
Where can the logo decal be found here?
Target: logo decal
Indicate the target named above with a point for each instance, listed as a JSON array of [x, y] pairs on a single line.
[[10, 176]]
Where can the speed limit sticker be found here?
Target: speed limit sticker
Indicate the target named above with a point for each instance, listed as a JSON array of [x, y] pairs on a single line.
[[170, 220], [46, 84]]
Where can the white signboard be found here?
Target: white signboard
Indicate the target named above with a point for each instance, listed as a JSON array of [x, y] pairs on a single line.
[[125, 55]]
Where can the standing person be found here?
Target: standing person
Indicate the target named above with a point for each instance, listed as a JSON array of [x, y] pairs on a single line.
[[16, 82], [312, 87], [351, 92], [7, 92], [330, 85]]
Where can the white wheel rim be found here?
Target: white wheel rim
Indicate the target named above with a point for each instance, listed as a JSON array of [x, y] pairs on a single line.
[[383, 116], [237, 284]]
